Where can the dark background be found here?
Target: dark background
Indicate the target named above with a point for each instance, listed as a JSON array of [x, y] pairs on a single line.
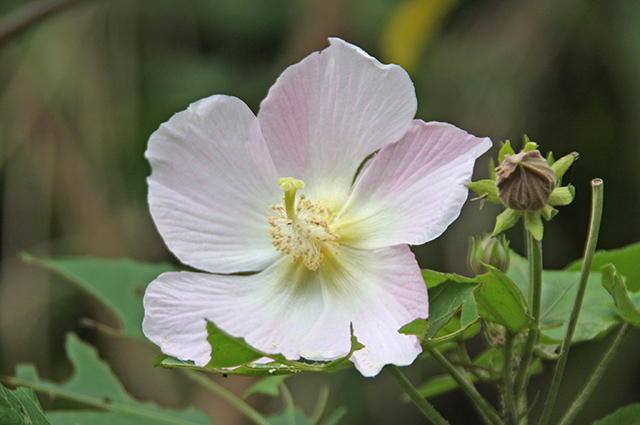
[[82, 90]]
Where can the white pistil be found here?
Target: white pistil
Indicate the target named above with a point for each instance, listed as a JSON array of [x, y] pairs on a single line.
[[303, 230]]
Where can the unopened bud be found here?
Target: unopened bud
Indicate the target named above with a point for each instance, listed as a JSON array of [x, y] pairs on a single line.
[[525, 181], [489, 250]]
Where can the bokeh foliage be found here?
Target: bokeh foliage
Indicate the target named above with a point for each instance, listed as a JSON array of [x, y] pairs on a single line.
[[81, 91]]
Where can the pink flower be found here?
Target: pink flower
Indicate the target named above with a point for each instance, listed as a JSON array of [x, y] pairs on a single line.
[[277, 198]]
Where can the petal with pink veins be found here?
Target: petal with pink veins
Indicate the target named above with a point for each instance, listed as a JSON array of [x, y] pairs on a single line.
[[290, 310], [212, 185], [412, 190], [326, 114]]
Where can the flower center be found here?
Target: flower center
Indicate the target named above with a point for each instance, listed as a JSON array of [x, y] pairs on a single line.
[[303, 228]]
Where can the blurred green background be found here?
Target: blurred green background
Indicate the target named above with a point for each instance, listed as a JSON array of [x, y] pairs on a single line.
[[82, 89]]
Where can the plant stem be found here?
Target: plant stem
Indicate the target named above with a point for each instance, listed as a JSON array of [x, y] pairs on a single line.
[[427, 408], [590, 248], [289, 406], [487, 411], [535, 284], [511, 408], [595, 378], [235, 401]]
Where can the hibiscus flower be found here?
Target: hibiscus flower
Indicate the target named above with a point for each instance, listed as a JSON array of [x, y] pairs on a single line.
[[301, 218]]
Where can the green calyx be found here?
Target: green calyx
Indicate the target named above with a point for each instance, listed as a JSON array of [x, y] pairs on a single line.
[[527, 185]]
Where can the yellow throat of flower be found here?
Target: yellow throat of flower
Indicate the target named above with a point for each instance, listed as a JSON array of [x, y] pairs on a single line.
[[302, 229]]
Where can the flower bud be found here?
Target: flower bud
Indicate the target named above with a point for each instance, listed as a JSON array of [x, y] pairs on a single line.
[[489, 250], [525, 181]]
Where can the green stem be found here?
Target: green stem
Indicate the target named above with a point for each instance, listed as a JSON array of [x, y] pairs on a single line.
[[427, 408], [590, 249], [487, 411], [595, 378], [535, 284], [235, 401], [289, 406], [511, 408]]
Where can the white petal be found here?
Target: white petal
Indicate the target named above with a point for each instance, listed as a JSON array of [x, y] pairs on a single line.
[[212, 185], [293, 311], [413, 189], [326, 114]]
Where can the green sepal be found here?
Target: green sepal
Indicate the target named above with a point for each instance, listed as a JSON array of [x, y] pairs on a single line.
[[550, 159], [500, 301], [492, 169], [561, 166], [533, 223], [486, 189], [612, 282], [227, 351], [506, 220], [563, 195], [528, 144], [506, 149], [548, 212]]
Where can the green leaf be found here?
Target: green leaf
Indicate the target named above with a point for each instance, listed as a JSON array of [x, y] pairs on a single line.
[[227, 351], [269, 385], [506, 220], [279, 365], [506, 149], [447, 293], [294, 417], [533, 223], [629, 415], [119, 284], [94, 385], [626, 261], [613, 283], [563, 195], [20, 407], [249, 369], [486, 188], [559, 289], [500, 301]]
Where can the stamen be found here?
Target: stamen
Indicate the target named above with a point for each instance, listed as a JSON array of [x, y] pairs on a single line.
[[304, 230]]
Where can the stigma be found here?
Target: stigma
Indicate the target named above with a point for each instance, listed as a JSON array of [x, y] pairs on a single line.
[[301, 228]]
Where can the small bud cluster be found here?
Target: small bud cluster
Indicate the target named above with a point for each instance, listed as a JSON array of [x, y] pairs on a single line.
[[490, 250]]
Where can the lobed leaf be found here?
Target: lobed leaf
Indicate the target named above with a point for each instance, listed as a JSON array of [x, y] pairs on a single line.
[[559, 288], [119, 284], [448, 293], [626, 261], [501, 301], [94, 385], [614, 285], [227, 351]]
